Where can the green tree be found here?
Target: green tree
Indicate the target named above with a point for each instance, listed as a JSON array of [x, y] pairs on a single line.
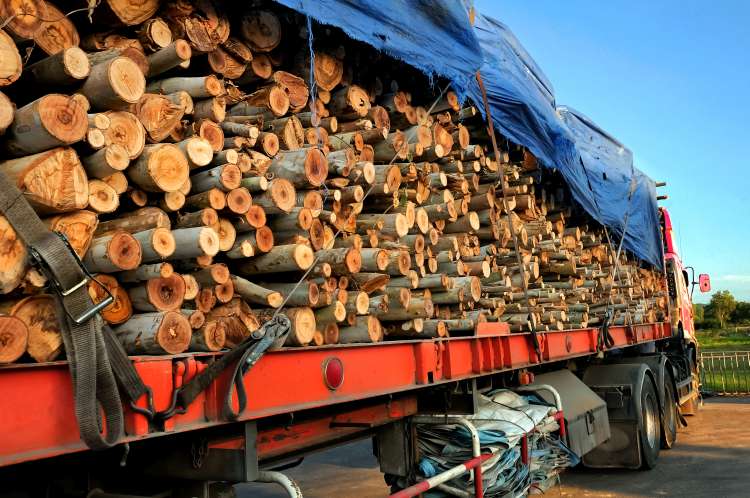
[[721, 306], [699, 312], [741, 313]]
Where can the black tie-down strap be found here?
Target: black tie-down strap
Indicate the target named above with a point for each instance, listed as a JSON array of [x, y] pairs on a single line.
[[605, 339], [96, 359], [271, 335]]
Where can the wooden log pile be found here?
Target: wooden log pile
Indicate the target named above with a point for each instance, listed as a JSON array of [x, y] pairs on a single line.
[[212, 171]]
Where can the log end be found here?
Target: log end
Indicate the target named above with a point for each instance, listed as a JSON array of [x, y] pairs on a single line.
[[14, 337], [174, 333]]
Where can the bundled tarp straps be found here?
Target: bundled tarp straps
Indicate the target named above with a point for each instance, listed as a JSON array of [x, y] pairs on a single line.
[[97, 360]]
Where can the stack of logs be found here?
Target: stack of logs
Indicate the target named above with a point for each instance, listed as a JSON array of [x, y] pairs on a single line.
[[189, 166]]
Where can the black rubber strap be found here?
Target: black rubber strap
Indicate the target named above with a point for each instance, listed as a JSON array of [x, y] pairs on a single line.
[[89, 348], [246, 354]]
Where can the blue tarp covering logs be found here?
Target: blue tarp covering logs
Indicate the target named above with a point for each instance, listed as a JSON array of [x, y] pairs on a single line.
[[436, 37], [610, 171], [431, 35]]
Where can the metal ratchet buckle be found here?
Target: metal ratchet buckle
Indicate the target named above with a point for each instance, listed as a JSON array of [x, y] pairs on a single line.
[[42, 265]]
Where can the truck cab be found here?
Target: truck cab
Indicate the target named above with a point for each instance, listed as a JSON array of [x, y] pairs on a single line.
[[680, 282]]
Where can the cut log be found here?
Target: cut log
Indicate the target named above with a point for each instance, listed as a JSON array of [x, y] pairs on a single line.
[[366, 329], [56, 32], [256, 294], [294, 87], [154, 34], [155, 333], [114, 252], [146, 272], [239, 200], [201, 218], [125, 129], [294, 257], [68, 67], [22, 18], [14, 339], [106, 161], [195, 242], [102, 197], [161, 168], [198, 87], [39, 315], [13, 258], [169, 57], [343, 261], [158, 115], [114, 84], [261, 29], [132, 13], [197, 150], [53, 181], [213, 109], [7, 111], [279, 198], [349, 102], [213, 198], [303, 167], [50, 121], [210, 337], [78, 227], [157, 244], [158, 294], [303, 324], [225, 178], [137, 221]]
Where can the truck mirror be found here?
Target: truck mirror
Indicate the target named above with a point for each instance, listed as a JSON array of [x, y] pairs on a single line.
[[705, 282]]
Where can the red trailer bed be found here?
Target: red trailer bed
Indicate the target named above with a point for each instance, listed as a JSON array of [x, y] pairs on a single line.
[[37, 418]]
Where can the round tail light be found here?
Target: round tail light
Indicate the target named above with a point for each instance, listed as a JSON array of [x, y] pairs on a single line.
[[333, 373]]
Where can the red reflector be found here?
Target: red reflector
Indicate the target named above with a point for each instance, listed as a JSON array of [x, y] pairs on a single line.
[[333, 373]]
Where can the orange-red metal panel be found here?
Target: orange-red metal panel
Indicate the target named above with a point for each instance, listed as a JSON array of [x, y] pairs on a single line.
[[37, 417]]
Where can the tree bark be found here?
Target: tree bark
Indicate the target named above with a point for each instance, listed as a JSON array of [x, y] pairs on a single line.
[[256, 294], [114, 84], [279, 259], [158, 294], [51, 121], [155, 333], [114, 252]]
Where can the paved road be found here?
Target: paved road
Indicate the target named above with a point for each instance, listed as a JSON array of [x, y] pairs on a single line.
[[711, 458]]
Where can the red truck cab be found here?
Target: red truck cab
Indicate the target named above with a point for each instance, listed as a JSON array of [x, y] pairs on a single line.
[[680, 280], [680, 283]]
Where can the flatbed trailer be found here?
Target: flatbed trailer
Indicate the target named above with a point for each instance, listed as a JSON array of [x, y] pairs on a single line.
[[290, 381], [299, 401]]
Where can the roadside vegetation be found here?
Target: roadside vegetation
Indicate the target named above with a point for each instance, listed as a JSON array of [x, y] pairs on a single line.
[[723, 324]]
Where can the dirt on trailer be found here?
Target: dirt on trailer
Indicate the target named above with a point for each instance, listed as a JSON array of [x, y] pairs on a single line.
[[711, 458]]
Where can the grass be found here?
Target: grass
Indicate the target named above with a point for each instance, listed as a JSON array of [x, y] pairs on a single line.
[[728, 373], [727, 339]]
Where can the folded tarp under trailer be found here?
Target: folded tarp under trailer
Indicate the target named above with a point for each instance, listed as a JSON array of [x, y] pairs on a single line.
[[238, 235]]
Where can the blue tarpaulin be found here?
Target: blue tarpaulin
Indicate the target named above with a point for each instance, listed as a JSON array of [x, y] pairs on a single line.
[[432, 35], [436, 37], [625, 197]]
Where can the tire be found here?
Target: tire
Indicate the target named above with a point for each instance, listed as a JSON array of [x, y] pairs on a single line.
[[649, 425], [669, 415]]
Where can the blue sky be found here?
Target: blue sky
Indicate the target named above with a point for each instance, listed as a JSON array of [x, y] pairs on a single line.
[[669, 80]]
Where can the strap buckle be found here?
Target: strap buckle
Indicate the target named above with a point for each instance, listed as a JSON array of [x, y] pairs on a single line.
[[42, 265]]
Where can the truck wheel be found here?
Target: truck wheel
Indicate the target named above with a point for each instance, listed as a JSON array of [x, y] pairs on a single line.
[[669, 417], [649, 426]]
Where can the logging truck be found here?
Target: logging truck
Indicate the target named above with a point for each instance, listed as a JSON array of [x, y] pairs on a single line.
[[636, 387], [234, 233]]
